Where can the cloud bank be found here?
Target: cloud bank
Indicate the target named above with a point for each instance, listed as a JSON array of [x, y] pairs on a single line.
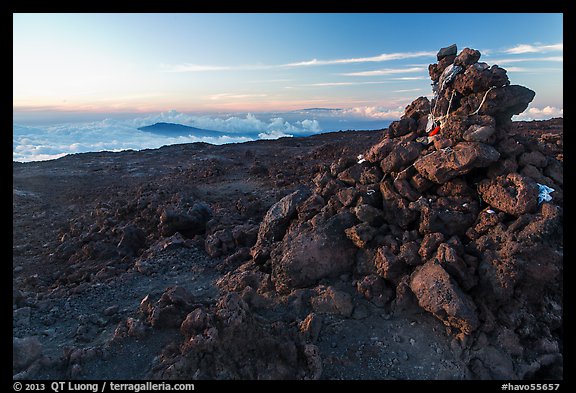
[[386, 71], [56, 140], [533, 113], [536, 48], [51, 141], [189, 67]]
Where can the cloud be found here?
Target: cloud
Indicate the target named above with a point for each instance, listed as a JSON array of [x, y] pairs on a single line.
[[410, 78], [188, 67], [517, 69], [526, 59], [274, 135], [221, 96], [537, 48], [386, 71], [379, 58], [548, 112], [406, 90], [373, 112], [55, 140], [534, 70], [347, 83]]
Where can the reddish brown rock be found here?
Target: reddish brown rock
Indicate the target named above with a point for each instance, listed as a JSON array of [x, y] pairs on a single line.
[[195, 323], [310, 327], [389, 265], [347, 196], [467, 57], [370, 175], [278, 216], [310, 207], [332, 301], [402, 127], [220, 243], [478, 78], [361, 234], [245, 235], [420, 183], [342, 164], [369, 214], [443, 165], [307, 256], [275, 223], [448, 215], [405, 190], [510, 147], [478, 133], [436, 70], [534, 158], [544, 224], [438, 294], [502, 167], [401, 156], [447, 257], [429, 244], [447, 51], [189, 223], [409, 253], [170, 310], [351, 175], [396, 209], [380, 150], [416, 109], [502, 102], [375, 289], [514, 194]]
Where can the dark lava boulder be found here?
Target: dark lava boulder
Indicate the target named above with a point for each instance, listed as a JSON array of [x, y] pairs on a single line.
[[275, 223], [307, 255], [443, 165], [189, 223], [439, 294], [514, 194]]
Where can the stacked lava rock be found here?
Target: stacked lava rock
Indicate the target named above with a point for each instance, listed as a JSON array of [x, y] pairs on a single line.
[[444, 221]]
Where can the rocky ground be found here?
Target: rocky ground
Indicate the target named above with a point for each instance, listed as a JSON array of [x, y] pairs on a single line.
[[429, 257]]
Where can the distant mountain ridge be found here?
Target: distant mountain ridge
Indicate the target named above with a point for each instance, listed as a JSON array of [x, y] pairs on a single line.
[[173, 129], [318, 110]]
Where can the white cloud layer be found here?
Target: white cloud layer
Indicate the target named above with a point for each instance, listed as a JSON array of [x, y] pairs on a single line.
[[533, 113], [536, 48], [386, 71], [378, 58], [526, 59], [56, 140], [228, 96], [375, 112], [330, 84], [188, 67]]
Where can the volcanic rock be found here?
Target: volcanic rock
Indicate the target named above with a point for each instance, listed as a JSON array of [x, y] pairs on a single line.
[[514, 194], [276, 222], [332, 301], [443, 165], [25, 351], [438, 294], [448, 51], [310, 254]]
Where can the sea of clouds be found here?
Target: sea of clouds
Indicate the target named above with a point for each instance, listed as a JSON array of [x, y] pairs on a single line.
[[45, 141], [38, 141]]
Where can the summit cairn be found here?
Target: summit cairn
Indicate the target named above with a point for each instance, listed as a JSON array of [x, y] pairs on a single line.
[[445, 213]]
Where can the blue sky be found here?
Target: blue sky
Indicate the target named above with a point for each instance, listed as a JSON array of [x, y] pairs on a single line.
[[374, 64]]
